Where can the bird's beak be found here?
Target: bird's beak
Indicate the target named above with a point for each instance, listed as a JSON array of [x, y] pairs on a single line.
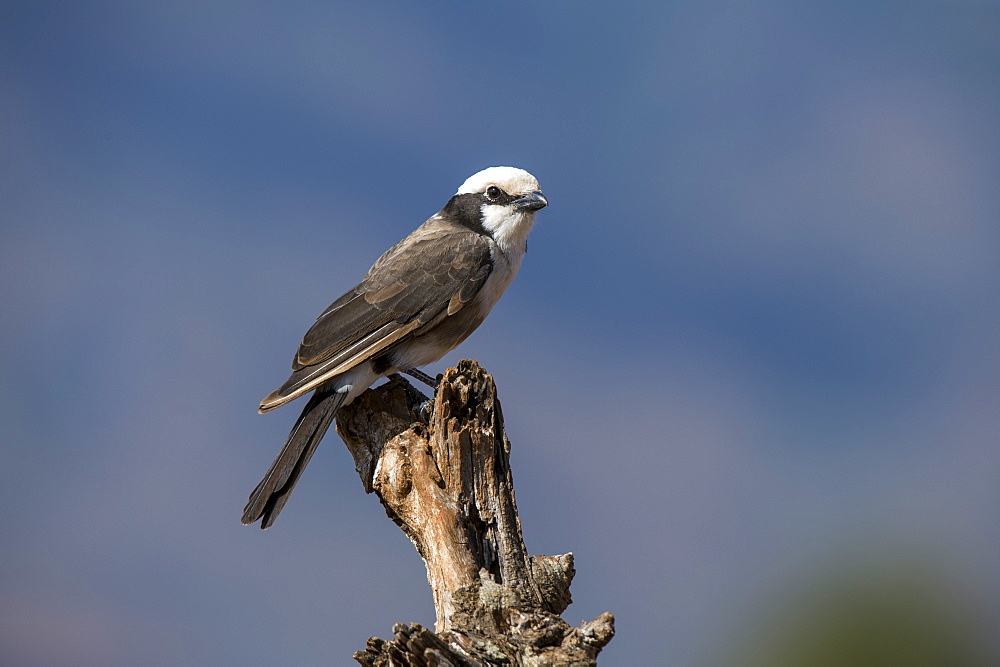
[[530, 202]]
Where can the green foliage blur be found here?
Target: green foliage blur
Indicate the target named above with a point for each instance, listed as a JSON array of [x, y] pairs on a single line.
[[894, 611]]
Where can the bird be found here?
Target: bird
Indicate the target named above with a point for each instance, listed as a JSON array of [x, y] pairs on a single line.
[[419, 301]]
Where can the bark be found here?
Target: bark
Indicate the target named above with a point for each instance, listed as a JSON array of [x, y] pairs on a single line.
[[442, 472]]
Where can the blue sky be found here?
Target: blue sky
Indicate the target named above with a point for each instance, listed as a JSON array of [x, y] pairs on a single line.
[[755, 334]]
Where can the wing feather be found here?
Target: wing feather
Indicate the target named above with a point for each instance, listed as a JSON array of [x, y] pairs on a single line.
[[431, 274]]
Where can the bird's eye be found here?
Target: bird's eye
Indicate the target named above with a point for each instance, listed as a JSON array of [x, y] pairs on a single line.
[[493, 192]]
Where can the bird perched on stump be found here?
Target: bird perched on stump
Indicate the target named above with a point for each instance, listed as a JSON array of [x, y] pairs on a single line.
[[422, 298]]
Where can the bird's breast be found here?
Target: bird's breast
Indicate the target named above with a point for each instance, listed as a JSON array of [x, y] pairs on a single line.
[[505, 267]]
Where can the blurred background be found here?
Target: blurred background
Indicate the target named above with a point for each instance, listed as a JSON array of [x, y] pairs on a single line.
[[750, 367]]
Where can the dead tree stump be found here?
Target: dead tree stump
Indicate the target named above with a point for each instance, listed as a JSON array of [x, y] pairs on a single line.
[[443, 476]]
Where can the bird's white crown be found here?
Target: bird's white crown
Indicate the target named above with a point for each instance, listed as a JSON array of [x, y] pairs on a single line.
[[511, 180]]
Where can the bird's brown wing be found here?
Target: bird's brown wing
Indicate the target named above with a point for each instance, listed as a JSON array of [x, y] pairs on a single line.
[[431, 273]]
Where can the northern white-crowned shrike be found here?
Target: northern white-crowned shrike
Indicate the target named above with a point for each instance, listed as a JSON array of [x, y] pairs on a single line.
[[422, 298]]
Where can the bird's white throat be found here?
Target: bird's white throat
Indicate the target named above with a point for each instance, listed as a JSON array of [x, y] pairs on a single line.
[[508, 227]]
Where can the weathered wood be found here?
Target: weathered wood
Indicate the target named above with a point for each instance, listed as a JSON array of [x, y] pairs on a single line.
[[443, 476]]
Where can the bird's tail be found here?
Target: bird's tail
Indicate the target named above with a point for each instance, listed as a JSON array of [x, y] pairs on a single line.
[[272, 493]]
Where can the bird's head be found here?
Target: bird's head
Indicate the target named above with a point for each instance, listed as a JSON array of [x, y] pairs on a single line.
[[503, 200]]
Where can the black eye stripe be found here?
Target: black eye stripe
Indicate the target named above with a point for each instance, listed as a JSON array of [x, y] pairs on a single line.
[[495, 195]]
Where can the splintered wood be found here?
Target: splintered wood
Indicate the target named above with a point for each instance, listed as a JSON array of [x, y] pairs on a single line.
[[442, 472]]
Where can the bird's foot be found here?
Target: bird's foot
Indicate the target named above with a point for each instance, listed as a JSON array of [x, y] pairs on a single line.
[[423, 377], [426, 410]]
